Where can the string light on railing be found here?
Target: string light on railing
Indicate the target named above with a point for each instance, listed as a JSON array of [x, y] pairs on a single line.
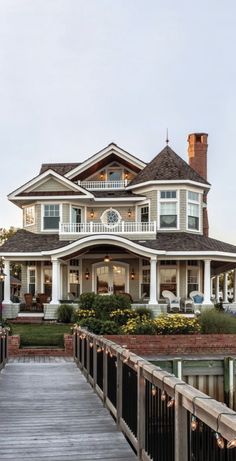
[[194, 421], [99, 349], [154, 390], [91, 345], [219, 439], [171, 402], [163, 392]]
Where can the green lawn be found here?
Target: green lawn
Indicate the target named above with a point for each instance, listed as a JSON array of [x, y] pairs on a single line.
[[42, 335]]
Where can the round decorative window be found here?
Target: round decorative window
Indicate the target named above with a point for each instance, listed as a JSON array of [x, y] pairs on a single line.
[[110, 217]]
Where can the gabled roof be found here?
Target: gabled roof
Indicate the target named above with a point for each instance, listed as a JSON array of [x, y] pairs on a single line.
[[60, 168], [112, 152], [167, 165], [27, 189]]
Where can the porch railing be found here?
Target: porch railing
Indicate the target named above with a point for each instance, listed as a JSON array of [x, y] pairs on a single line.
[[163, 417], [122, 227], [103, 185], [3, 346]]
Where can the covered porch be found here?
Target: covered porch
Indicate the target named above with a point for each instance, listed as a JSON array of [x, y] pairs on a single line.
[[108, 264]]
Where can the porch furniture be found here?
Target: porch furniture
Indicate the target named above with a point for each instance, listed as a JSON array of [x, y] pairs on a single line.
[[28, 301], [197, 298], [188, 305], [173, 300], [41, 299]]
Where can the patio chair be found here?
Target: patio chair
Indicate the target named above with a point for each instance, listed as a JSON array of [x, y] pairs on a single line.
[[173, 301], [40, 300], [197, 297], [28, 301]]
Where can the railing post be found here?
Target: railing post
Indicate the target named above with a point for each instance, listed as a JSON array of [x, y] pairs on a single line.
[[88, 357], [119, 392], [95, 358], [91, 226], [82, 354], [140, 412], [104, 376], [181, 429], [177, 368], [229, 381]]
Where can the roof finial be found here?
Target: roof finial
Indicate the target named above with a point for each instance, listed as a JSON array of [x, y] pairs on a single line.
[[167, 137]]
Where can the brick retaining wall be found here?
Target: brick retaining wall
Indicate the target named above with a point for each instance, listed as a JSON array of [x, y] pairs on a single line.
[[14, 348], [147, 345]]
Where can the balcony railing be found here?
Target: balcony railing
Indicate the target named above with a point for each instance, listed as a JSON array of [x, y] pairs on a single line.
[[119, 228], [104, 185]]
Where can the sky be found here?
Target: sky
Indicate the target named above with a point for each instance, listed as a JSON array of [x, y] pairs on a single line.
[[76, 75]]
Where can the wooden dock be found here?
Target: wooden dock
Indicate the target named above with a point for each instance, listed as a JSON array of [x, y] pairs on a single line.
[[49, 412]]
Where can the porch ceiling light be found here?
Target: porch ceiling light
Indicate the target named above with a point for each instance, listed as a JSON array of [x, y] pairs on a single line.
[[92, 213], [129, 213], [107, 259], [102, 175], [132, 274]]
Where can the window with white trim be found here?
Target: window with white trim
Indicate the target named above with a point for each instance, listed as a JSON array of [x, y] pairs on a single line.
[[76, 215], [168, 279], [29, 215], [144, 213], [168, 209], [111, 217], [51, 217], [193, 210], [193, 279], [31, 280]]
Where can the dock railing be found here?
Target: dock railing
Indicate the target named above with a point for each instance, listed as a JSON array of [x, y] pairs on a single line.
[[3, 346], [164, 418]]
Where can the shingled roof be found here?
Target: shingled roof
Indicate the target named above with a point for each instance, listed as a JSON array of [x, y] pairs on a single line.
[[24, 241], [27, 242], [167, 165], [61, 168]]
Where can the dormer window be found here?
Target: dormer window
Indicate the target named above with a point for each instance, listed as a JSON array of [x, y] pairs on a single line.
[[115, 174], [193, 211], [168, 209]]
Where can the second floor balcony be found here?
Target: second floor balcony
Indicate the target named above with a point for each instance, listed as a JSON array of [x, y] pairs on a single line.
[[104, 185], [122, 227]]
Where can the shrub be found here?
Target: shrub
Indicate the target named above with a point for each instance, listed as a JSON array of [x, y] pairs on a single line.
[[65, 313], [104, 305], [212, 321], [120, 317], [143, 311], [93, 325], [86, 300], [176, 324], [80, 314], [139, 326], [109, 327]]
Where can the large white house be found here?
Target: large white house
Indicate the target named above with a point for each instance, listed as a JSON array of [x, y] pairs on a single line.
[[114, 224]]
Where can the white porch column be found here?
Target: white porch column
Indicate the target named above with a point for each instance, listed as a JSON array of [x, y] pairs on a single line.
[[153, 281], [217, 286], [234, 298], [7, 282], [207, 283], [225, 294], [212, 286], [55, 281]]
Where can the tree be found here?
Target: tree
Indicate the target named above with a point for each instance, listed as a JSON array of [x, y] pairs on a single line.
[[5, 234]]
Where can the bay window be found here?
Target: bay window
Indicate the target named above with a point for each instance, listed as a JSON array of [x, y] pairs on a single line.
[[193, 210], [168, 209]]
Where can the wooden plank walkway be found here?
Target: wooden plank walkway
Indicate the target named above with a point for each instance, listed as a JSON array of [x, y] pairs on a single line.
[[49, 412]]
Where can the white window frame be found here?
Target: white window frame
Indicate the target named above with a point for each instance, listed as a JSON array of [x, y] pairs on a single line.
[[188, 266], [79, 208], [168, 200], [171, 266], [32, 208], [193, 202], [42, 217], [31, 268], [104, 214]]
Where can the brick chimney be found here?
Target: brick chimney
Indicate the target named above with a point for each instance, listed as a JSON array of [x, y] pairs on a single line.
[[197, 153], [197, 156]]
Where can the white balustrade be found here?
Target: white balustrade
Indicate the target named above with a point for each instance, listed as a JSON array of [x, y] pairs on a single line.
[[122, 227], [103, 185]]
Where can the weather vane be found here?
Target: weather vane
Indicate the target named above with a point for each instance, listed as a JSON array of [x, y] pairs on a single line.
[[167, 137]]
